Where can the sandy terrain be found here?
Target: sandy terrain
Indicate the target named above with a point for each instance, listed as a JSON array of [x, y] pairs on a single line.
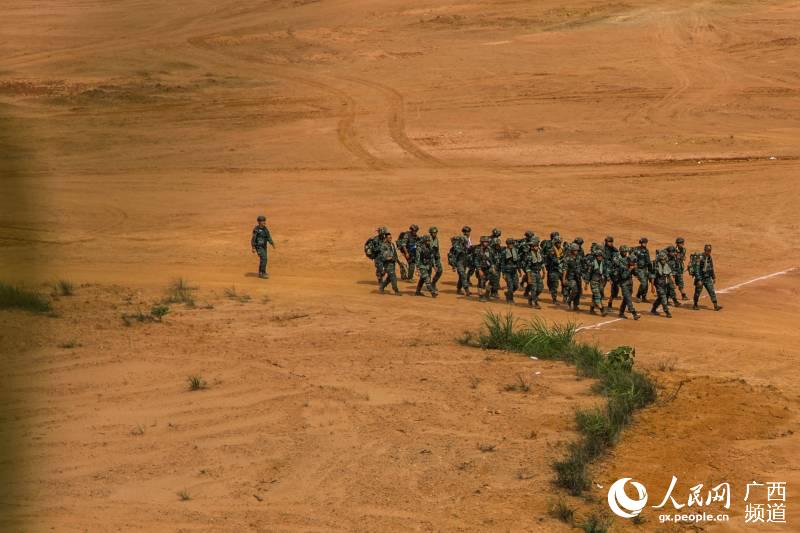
[[139, 140]]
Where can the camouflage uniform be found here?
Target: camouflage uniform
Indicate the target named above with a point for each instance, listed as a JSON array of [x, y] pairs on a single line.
[[596, 275], [681, 266], [624, 272], [437, 257], [662, 279], [644, 268], [425, 261], [483, 261], [373, 249], [533, 265], [407, 243], [509, 264], [610, 254], [704, 276], [553, 253], [258, 242], [458, 257], [388, 256], [572, 269], [674, 265]]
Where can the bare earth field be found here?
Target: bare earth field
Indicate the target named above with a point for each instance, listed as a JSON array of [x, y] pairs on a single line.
[[140, 139]]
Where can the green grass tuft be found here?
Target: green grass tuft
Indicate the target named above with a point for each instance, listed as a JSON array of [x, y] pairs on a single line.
[[625, 388], [64, 288], [179, 292], [196, 383], [13, 297], [595, 524], [561, 510]]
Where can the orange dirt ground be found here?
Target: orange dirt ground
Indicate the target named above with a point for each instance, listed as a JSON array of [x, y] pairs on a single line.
[[140, 140]]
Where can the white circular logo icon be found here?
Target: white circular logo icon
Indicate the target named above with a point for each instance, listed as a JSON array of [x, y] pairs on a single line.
[[621, 504]]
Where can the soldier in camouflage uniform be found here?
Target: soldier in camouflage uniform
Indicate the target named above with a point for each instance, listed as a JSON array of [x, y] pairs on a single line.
[[407, 243], [572, 269], [438, 269], [674, 265], [533, 264], [460, 260], [553, 254], [704, 277], [644, 268], [662, 278], [372, 249], [523, 248], [425, 261], [680, 246], [596, 275], [625, 267], [258, 242], [483, 260], [610, 254], [509, 264], [388, 256]]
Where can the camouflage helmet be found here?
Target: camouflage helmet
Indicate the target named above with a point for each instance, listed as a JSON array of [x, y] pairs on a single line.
[[573, 247], [433, 229], [496, 232], [413, 227], [671, 249], [578, 240], [555, 235], [609, 238], [466, 229], [596, 248], [643, 240], [529, 234], [557, 238], [426, 238], [707, 247], [484, 239], [510, 241], [623, 249], [534, 241], [261, 218], [662, 256], [680, 240], [383, 230]]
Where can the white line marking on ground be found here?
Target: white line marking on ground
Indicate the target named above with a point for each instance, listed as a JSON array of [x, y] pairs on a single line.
[[721, 291], [495, 43]]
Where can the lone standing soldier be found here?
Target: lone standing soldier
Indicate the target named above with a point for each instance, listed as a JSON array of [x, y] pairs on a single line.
[[259, 242], [704, 276], [425, 262], [533, 264], [661, 281], [625, 267], [388, 255]]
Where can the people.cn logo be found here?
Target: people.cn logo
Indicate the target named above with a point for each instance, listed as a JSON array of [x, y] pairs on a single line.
[[621, 504]]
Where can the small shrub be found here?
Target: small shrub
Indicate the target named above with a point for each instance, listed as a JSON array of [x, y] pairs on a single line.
[[138, 431], [571, 471], [196, 383], [64, 288], [179, 292], [485, 447], [184, 495], [666, 365], [474, 381], [561, 510], [159, 311], [13, 297], [231, 293], [595, 524], [520, 385]]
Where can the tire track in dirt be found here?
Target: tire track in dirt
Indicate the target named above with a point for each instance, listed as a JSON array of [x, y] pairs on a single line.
[[397, 122], [345, 130]]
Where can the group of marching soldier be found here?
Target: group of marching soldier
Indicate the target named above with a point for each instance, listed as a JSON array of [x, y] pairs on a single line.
[[528, 264]]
